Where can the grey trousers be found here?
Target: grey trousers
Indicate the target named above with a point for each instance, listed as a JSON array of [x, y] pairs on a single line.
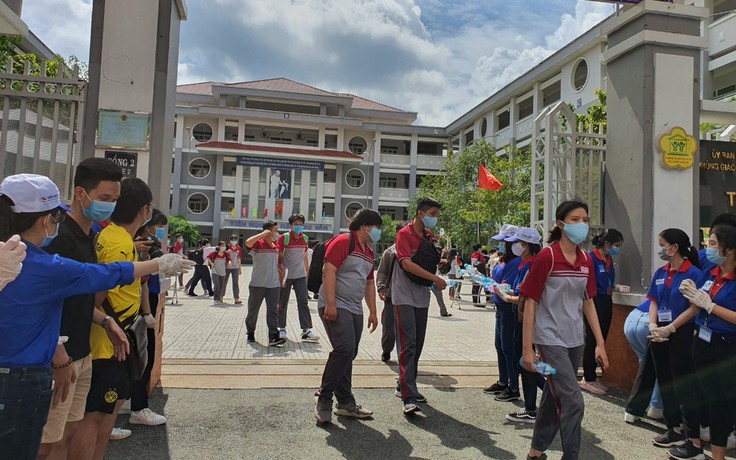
[[440, 301], [411, 328], [235, 274], [561, 408], [302, 302], [388, 328], [219, 283], [344, 334], [255, 299]]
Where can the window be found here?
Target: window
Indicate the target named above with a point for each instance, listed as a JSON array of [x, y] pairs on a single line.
[[484, 127], [331, 141], [198, 203], [469, 138], [389, 150], [330, 175], [231, 130], [229, 168], [526, 107], [391, 212], [352, 208], [202, 132], [551, 94], [199, 168], [504, 119], [579, 74], [358, 145], [226, 204], [355, 178], [388, 182]]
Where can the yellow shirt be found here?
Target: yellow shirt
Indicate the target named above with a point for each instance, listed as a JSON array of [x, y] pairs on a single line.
[[114, 244]]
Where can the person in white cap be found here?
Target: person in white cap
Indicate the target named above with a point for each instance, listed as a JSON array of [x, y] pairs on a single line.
[[12, 254], [31, 306]]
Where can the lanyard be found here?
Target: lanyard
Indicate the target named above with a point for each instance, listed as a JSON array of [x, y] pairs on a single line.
[[717, 285], [666, 292]]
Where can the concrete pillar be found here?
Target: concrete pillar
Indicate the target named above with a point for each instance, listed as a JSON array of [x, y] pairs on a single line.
[[653, 62], [339, 212], [375, 191], [413, 163], [304, 197], [320, 195], [217, 218], [238, 191], [253, 193]]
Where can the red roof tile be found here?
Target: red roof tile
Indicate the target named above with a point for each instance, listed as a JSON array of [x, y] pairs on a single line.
[[279, 149], [367, 104], [282, 84], [204, 87]]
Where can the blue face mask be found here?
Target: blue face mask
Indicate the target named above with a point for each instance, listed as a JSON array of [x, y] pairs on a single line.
[[99, 211], [712, 255], [298, 229], [576, 232], [614, 250], [49, 238], [160, 233], [429, 221], [502, 249], [375, 234]]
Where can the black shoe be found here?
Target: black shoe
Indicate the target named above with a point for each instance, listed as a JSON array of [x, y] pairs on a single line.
[[540, 457], [251, 337], [687, 451], [276, 341], [420, 398], [385, 357], [495, 389], [669, 438], [508, 395], [446, 314], [191, 294]]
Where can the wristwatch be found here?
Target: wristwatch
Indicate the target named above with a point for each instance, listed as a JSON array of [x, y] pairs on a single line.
[[105, 320]]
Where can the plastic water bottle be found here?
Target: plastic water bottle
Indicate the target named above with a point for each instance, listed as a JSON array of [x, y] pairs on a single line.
[[541, 367]]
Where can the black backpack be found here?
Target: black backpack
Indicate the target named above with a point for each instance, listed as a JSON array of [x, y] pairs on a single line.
[[427, 257], [318, 261]]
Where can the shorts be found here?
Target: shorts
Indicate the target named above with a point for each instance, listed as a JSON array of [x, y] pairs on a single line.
[[71, 410], [110, 384]]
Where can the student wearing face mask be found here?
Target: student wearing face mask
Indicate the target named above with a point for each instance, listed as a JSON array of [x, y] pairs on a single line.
[[727, 219], [179, 249], [558, 292], [219, 261], [670, 346], [30, 345], [235, 252], [713, 304], [527, 245], [265, 282], [607, 245]]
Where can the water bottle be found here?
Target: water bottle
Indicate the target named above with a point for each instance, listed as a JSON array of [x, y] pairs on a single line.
[[541, 367]]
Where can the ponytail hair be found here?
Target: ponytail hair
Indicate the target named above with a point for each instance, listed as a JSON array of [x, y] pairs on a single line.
[[565, 208], [682, 240], [611, 236]]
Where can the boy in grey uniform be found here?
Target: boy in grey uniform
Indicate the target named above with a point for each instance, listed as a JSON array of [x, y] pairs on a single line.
[[264, 282]]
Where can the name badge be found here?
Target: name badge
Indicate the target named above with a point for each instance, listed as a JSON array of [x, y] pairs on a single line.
[[664, 316], [602, 269], [708, 284], [659, 282], [705, 334]]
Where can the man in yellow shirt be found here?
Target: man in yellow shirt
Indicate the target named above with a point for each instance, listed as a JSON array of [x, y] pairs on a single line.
[[110, 385]]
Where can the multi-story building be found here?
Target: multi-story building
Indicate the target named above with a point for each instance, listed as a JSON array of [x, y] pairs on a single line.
[[249, 151]]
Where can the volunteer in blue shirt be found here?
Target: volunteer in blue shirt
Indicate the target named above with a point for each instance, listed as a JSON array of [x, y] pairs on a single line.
[[507, 388], [607, 245], [30, 321], [670, 346], [714, 346], [721, 219]]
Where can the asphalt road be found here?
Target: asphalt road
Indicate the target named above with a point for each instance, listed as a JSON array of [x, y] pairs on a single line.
[[279, 424]]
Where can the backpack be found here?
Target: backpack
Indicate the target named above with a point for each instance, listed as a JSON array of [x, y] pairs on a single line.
[[287, 238], [444, 267], [318, 261], [427, 257]]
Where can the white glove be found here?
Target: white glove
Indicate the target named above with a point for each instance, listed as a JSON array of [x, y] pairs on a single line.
[[503, 295], [688, 285], [700, 299], [150, 321], [622, 288], [12, 254], [660, 334], [173, 264]]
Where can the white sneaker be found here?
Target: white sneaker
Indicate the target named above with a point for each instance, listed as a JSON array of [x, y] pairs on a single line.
[[655, 413], [310, 336], [125, 410], [119, 433], [731, 443], [629, 418], [146, 417], [705, 433], [282, 333]]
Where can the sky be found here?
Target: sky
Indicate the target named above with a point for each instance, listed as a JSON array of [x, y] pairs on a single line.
[[438, 58]]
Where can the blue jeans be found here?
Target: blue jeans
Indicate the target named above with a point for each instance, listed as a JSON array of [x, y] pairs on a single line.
[[636, 329], [506, 328], [25, 398]]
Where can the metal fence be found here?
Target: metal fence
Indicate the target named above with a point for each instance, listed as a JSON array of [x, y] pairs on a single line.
[[41, 123]]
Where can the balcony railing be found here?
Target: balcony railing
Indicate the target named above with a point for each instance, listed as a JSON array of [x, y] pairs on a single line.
[[395, 159], [393, 194], [431, 162], [722, 35], [328, 189]]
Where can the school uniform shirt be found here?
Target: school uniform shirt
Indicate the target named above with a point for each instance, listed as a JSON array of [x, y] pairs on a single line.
[[403, 290], [605, 273], [219, 263], [665, 287], [559, 288], [354, 270], [722, 290], [114, 244], [292, 254], [178, 248], [31, 306], [507, 274], [236, 254], [524, 267], [266, 262]]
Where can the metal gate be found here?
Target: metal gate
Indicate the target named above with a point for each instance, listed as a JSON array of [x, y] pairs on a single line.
[[567, 162], [41, 123]]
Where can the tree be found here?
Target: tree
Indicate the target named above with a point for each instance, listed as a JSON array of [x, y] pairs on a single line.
[[470, 214], [388, 230], [178, 224]]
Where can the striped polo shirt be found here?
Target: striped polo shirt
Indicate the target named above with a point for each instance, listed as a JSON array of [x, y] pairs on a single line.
[[559, 288], [354, 270], [265, 264], [293, 255], [403, 290]]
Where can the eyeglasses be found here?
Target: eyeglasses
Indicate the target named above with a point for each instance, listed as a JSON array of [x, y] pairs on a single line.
[[58, 216]]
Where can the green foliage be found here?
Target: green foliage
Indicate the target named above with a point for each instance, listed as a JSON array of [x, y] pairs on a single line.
[[8, 44], [388, 230], [705, 127], [596, 116], [178, 224], [465, 207]]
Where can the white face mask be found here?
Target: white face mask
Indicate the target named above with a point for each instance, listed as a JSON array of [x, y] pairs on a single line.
[[517, 249]]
